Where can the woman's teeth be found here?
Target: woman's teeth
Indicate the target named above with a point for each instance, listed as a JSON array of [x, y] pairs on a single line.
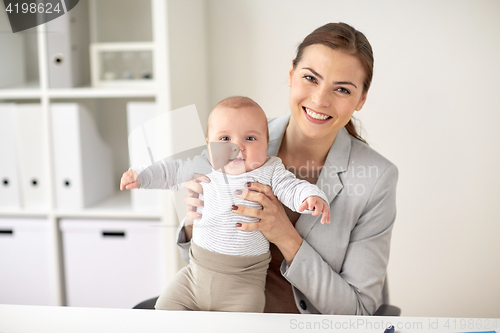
[[316, 115]]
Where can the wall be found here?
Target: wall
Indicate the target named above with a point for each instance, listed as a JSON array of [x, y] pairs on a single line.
[[433, 109]]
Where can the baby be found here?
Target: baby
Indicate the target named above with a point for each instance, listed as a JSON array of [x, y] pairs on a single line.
[[228, 266]]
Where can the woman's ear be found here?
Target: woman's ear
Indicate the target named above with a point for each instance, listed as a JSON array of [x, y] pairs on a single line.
[[361, 102], [290, 73]]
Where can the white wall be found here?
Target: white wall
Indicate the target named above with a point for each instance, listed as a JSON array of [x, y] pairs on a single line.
[[433, 109]]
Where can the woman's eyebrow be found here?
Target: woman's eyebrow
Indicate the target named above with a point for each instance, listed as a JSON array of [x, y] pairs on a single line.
[[334, 82], [345, 82], [314, 72]]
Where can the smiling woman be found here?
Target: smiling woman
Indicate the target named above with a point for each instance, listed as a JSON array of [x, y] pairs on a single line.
[[337, 268], [352, 67]]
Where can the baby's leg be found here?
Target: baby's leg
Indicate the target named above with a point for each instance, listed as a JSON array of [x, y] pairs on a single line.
[[179, 294], [238, 282], [237, 293]]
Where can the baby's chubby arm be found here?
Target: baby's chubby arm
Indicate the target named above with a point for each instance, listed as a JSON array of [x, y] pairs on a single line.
[[318, 206], [166, 174], [129, 180], [297, 194]]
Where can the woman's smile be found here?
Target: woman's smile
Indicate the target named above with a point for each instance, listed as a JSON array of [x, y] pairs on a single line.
[[316, 117]]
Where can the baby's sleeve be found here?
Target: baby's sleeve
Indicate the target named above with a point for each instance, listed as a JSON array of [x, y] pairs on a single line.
[[290, 190], [170, 174]]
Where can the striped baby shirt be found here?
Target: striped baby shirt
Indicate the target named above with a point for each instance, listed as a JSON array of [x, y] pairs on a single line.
[[216, 231]]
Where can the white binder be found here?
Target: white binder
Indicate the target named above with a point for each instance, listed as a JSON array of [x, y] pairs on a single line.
[[68, 48], [30, 135], [153, 137], [137, 114], [10, 196], [82, 160], [13, 55]]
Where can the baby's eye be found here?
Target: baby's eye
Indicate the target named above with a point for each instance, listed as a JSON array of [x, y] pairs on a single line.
[[225, 138], [251, 138]]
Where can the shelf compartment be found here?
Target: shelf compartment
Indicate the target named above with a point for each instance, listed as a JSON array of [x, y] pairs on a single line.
[[25, 252], [19, 58], [112, 263]]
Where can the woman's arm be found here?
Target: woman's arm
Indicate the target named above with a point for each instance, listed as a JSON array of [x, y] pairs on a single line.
[[356, 287], [192, 201], [274, 223]]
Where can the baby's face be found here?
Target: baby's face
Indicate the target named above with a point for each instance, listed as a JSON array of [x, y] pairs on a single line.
[[245, 127]]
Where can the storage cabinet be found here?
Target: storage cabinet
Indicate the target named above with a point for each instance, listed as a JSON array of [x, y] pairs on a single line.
[[26, 273], [105, 253], [111, 263]]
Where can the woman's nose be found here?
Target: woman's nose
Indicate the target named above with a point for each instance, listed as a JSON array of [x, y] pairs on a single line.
[[321, 97]]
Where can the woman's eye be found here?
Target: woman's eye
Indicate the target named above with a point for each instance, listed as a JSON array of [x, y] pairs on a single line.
[[310, 78], [251, 138], [225, 138], [344, 91]]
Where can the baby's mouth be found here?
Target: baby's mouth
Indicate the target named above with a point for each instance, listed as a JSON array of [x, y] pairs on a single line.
[[237, 159]]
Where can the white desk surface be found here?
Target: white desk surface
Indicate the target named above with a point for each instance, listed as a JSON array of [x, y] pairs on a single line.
[[40, 319]]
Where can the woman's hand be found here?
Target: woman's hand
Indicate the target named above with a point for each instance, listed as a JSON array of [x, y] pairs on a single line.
[[274, 222], [192, 202]]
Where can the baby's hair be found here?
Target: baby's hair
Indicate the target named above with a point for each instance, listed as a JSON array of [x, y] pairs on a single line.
[[235, 102]]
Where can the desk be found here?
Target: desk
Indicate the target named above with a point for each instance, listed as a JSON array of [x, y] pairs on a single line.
[[41, 319]]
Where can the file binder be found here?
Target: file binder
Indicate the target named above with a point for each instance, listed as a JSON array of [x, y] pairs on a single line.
[[32, 150], [137, 114], [154, 137], [13, 55], [10, 196], [67, 48], [82, 160]]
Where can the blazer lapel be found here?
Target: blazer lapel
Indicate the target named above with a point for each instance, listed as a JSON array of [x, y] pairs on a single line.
[[337, 161]]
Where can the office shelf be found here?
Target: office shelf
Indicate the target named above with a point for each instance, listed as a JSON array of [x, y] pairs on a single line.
[[117, 206], [30, 81], [93, 92], [30, 90]]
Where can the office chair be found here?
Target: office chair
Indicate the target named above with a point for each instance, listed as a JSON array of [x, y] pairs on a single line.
[[148, 304], [384, 310]]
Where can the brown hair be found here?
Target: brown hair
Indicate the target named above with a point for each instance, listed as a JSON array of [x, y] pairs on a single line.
[[341, 36], [236, 102]]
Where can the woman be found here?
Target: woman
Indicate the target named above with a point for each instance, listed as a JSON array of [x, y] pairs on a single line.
[[336, 268]]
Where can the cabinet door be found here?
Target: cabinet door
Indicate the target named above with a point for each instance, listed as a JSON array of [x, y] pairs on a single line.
[[26, 275], [114, 264]]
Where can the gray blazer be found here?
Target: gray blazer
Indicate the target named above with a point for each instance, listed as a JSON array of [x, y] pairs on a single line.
[[340, 267]]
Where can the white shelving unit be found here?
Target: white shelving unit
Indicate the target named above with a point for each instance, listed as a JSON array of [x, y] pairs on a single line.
[[162, 23]]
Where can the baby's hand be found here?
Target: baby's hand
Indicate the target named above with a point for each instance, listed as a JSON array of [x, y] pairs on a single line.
[[128, 180], [318, 206]]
